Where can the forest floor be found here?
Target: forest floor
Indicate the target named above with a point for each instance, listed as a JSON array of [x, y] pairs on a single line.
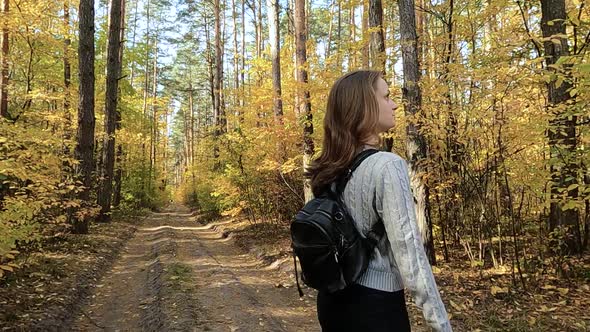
[[176, 271]]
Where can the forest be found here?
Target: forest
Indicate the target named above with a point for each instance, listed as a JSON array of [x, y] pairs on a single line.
[[112, 109]]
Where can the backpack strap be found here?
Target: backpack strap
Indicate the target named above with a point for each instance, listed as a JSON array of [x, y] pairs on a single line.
[[378, 230], [338, 186]]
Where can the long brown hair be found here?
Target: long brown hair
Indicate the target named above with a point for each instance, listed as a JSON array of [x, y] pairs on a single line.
[[351, 119]]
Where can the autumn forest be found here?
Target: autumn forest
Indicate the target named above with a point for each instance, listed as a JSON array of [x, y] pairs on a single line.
[[112, 109]]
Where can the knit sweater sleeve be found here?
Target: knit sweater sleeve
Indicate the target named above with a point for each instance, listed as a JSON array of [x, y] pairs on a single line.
[[397, 211]]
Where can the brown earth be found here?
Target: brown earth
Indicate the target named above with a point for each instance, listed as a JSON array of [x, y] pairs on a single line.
[[172, 272], [175, 275]]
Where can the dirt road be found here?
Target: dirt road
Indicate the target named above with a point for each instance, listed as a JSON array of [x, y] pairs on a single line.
[[175, 275]]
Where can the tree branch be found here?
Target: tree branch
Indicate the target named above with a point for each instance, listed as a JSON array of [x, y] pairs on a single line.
[[528, 31]]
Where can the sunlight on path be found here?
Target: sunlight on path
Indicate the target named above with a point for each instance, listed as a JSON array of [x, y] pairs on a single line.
[[175, 275]]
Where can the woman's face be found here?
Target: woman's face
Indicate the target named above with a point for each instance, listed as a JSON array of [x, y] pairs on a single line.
[[386, 106]]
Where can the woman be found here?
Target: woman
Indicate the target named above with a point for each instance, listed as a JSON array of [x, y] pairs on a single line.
[[358, 110]]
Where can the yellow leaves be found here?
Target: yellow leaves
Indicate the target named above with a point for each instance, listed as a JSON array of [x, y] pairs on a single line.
[[7, 268], [455, 306], [543, 308], [498, 290], [464, 306], [291, 165], [531, 320]]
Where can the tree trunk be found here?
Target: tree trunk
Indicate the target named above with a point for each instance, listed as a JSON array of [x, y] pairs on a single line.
[[365, 32], [4, 64], [118, 177], [66, 59], [236, 59], [330, 31], [144, 123], [67, 127], [259, 27], [191, 132], [85, 135], [377, 43], [217, 82], [132, 62], [119, 158], [304, 98], [243, 71], [275, 57], [112, 82], [154, 135], [339, 36], [210, 65], [562, 129], [352, 47], [416, 143]]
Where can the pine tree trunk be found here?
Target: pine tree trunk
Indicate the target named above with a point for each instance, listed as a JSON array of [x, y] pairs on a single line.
[[111, 99], [339, 37], [67, 66], [67, 126], [275, 57], [236, 59], [145, 126], [352, 50], [260, 41], [377, 43], [243, 41], [154, 135], [365, 32], [304, 98], [85, 136], [562, 131], [118, 177], [119, 158], [416, 143], [132, 62], [330, 31], [218, 80]]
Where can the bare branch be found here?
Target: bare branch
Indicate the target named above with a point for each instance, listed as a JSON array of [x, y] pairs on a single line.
[[528, 31]]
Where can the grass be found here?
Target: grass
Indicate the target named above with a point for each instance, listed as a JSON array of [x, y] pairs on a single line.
[[178, 274]]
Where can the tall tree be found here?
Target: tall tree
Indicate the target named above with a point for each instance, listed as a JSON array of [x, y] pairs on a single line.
[[4, 63], [562, 127], [416, 142], [304, 98], [377, 42], [66, 61], [111, 98], [220, 120], [275, 56], [119, 158], [154, 107], [236, 57], [85, 136]]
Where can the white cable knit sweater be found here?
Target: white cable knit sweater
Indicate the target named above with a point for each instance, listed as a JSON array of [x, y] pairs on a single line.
[[381, 185]]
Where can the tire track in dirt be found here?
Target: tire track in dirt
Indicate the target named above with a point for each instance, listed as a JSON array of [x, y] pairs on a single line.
[[176, 275]]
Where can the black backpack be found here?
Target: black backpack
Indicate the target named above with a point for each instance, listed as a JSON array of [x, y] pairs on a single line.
[[330, 249]]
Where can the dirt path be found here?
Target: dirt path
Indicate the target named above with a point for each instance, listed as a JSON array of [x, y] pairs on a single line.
[[175, 275]]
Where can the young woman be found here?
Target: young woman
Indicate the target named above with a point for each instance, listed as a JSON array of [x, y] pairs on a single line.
[[358, 110]]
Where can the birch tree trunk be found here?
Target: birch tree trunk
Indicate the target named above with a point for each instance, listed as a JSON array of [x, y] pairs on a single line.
[[304, 98], [416, 143]]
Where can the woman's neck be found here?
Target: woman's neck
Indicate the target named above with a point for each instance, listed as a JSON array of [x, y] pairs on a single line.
[[372, 142]]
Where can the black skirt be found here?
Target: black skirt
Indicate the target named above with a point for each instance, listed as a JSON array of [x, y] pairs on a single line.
[[363, 309]]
